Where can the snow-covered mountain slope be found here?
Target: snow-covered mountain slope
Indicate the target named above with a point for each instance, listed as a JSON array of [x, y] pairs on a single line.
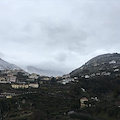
[[32, 69], [7, 66]]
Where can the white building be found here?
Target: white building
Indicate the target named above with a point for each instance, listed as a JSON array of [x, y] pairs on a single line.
[[92, 75], [34, 85], [66, 76], [67, 80], [87, 76], [33, 76], [12, 78], [116, 70], [112, 62], [3, 80], [98, 74], [106, 73]]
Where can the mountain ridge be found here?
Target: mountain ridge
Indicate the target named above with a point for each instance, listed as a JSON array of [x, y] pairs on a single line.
[[102, 63], [32, 69], [4, 65]]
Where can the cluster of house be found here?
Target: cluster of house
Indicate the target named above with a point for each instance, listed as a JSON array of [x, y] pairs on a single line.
[[67, 79], [96, 74], [102, 72], [10, 77], [30, 80], [33, 80]]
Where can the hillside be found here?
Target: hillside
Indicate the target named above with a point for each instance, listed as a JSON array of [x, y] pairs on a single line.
[[105, 64], [7, 66], [55, 101]]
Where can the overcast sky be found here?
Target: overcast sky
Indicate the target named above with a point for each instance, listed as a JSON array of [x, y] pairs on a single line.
[[58, 34]]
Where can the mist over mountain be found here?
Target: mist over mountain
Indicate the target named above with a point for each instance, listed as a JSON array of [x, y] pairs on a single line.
[[105, 64], [32, 69], [7, 66]]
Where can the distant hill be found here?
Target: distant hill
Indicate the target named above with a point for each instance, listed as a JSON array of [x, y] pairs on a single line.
[[32, 69], [105, 64], [7, 66]]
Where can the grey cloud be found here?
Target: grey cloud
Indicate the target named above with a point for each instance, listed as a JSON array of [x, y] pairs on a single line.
[[65, 36], [61, 57], [1, 55], [51, 33]]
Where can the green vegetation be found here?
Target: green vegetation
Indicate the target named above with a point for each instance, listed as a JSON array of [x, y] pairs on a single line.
[[54, 101]]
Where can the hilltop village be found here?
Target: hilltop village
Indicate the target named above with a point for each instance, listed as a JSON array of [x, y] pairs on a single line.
[[21, 79]]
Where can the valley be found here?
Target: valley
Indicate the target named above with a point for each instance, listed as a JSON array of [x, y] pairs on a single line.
[[25, 96]]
